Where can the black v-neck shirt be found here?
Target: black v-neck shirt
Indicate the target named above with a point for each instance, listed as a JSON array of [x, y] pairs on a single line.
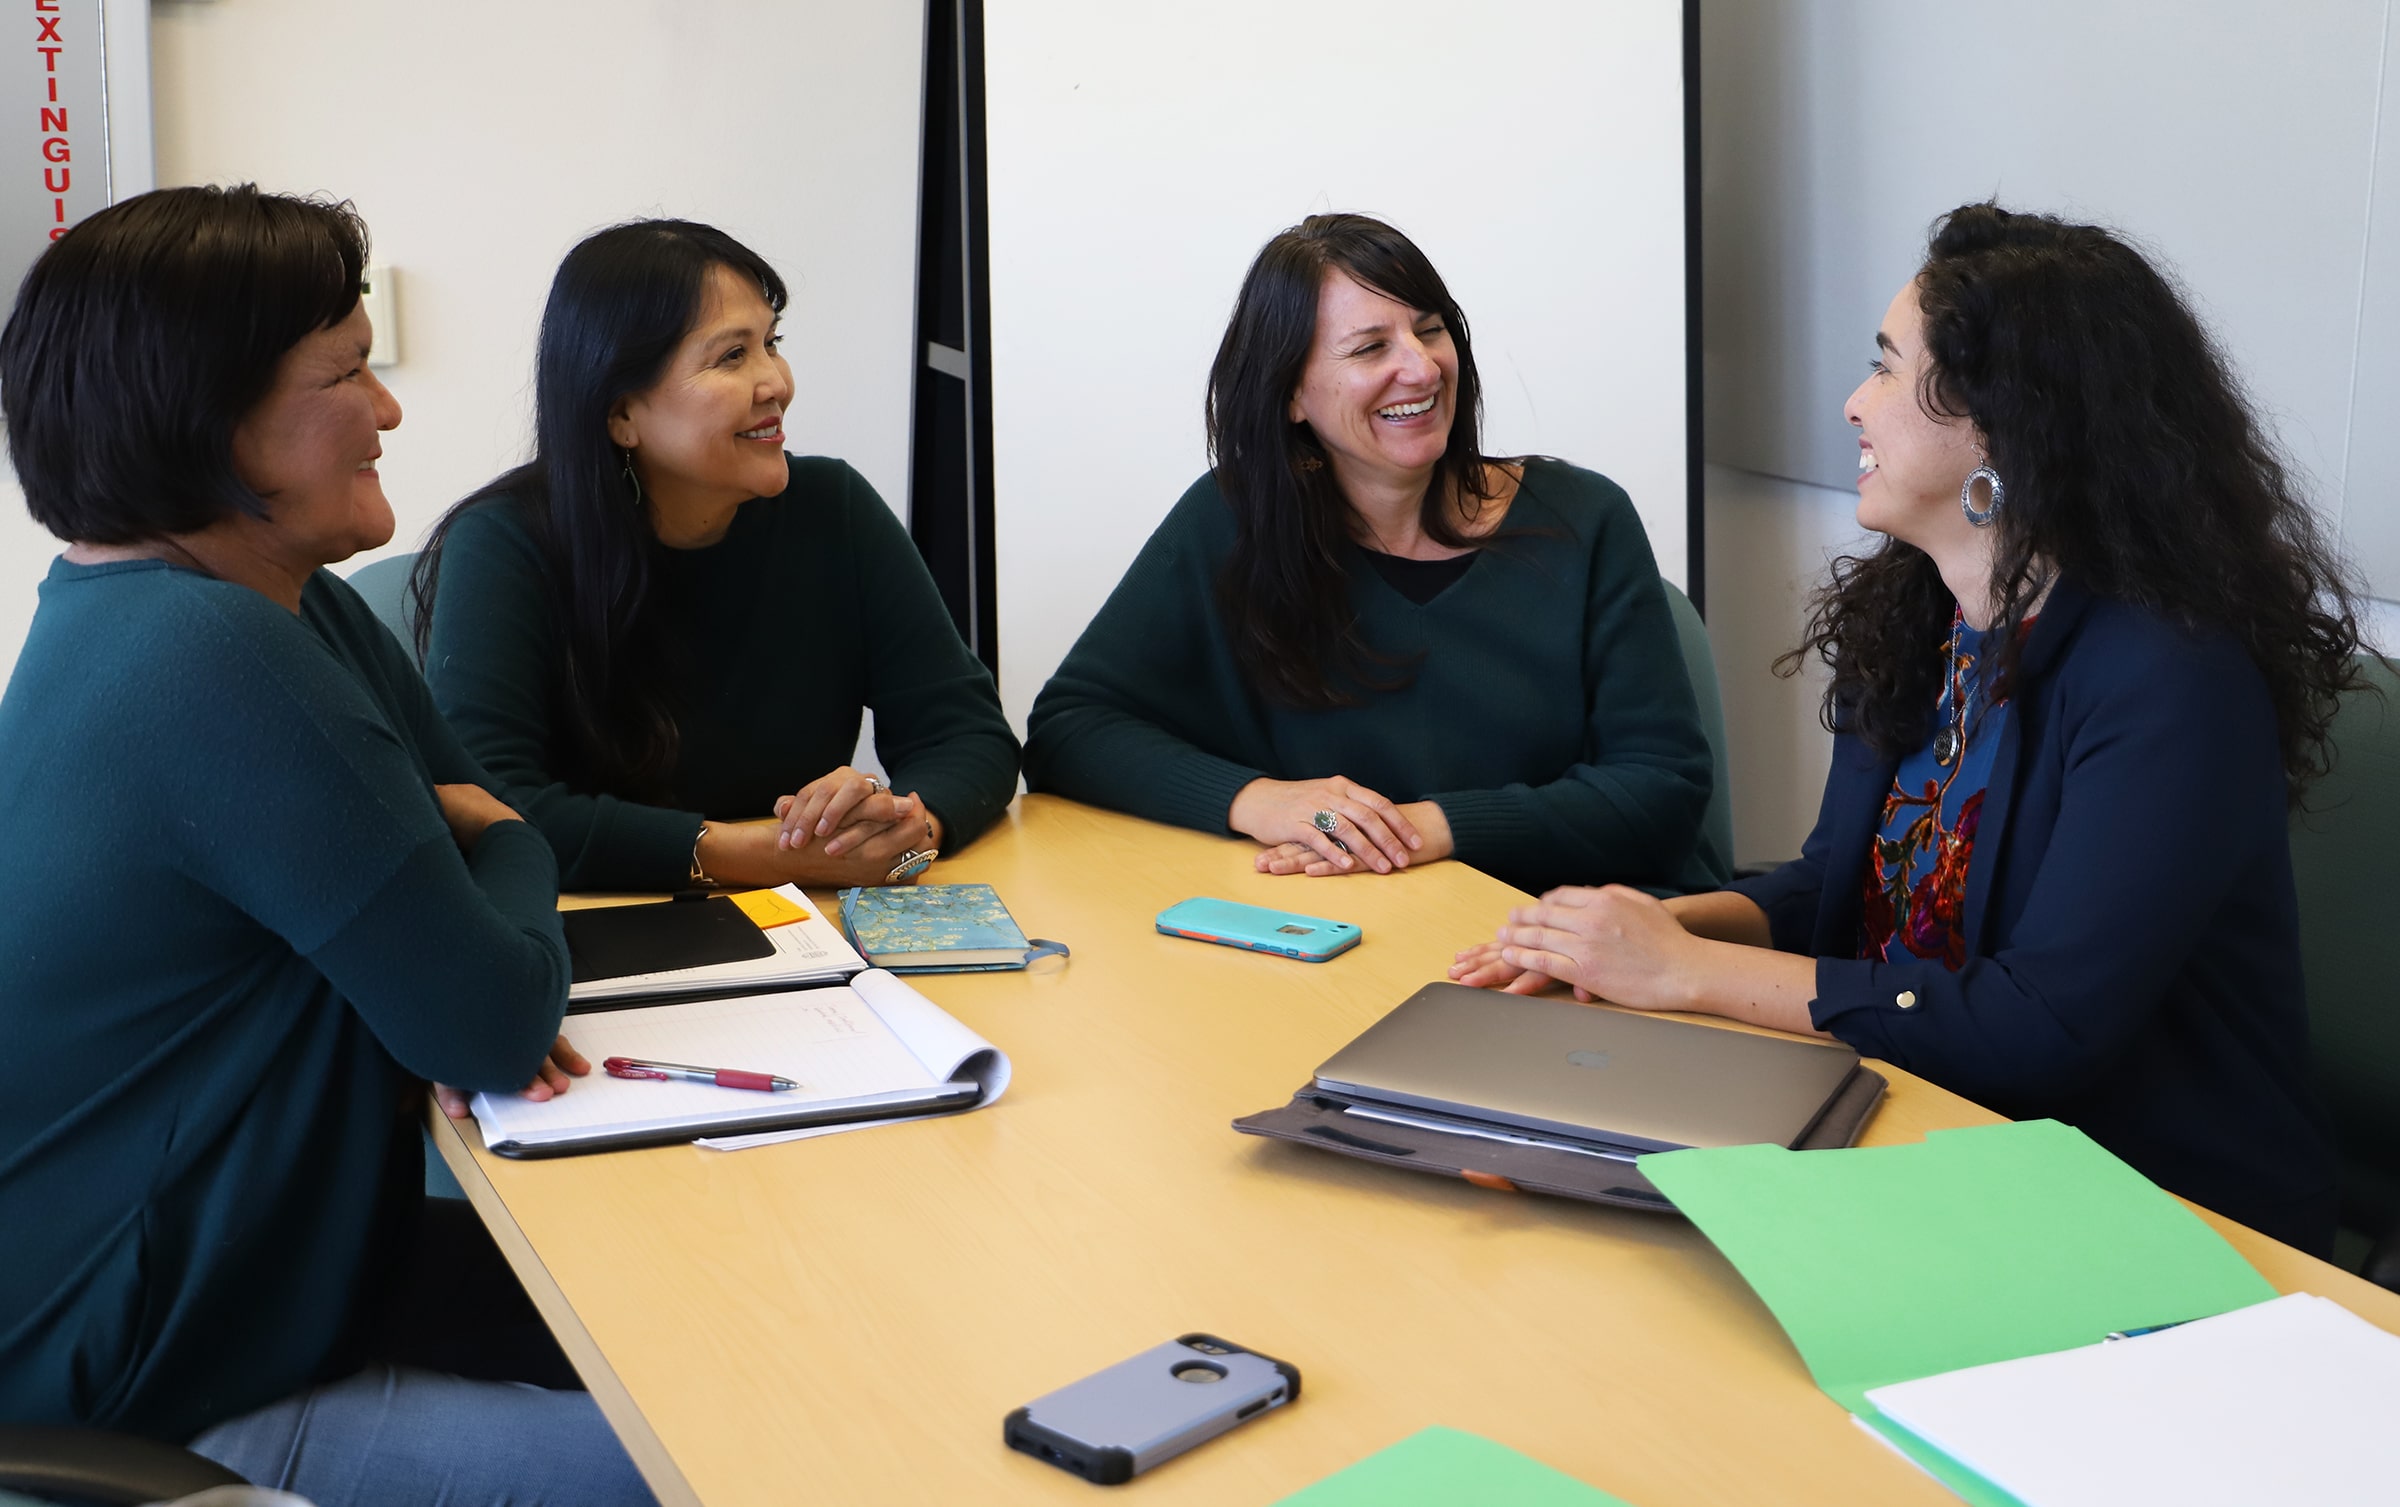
[[1419, 580]]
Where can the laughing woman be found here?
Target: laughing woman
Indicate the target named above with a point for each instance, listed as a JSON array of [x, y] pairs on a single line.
[[2074, 690], [1364, 644], [661, 631]]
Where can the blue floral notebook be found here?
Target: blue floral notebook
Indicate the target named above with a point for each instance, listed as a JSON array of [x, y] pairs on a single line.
[[933, 928]]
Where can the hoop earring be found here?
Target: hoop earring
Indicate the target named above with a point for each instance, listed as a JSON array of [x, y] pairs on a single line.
[[1966, 496], [635, 481]]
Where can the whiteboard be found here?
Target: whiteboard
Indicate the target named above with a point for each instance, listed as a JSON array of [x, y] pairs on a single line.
[[1138, 156]]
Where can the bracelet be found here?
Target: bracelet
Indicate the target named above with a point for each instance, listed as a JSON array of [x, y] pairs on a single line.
[[699, 875]]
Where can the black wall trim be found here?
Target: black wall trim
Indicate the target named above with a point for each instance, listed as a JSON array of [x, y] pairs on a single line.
[[950, 463]]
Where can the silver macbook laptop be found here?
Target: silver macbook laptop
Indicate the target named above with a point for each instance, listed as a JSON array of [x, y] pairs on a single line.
[[1585, 1075]]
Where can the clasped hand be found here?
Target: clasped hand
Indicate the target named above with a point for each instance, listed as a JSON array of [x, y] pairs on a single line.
[[1370, 833], [847, 812], [1614, 943]]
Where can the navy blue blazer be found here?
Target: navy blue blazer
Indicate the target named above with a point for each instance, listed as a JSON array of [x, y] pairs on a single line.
[[2132, 936]]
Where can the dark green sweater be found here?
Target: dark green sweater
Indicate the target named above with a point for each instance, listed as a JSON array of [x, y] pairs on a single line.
[[235, 936], [814, 605], [1550, 716]]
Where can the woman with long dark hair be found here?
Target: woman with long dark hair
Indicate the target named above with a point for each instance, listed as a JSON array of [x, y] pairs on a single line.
[[258, 895], [1363, 643], [661, 631], [2074, 693]]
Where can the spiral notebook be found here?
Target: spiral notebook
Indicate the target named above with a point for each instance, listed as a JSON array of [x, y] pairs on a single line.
[[871, 1049]]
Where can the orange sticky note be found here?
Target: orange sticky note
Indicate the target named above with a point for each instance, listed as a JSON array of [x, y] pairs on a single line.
[[769, 909]]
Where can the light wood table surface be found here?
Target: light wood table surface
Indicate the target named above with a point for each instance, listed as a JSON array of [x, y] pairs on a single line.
[[848, 1319]]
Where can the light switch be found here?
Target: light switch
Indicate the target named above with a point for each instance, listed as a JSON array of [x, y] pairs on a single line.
[[379, 290]]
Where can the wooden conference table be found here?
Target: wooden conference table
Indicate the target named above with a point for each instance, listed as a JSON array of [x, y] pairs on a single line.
[[847, 1319]]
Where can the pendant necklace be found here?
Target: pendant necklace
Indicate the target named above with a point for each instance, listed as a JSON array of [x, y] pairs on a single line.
[[1957, 691]]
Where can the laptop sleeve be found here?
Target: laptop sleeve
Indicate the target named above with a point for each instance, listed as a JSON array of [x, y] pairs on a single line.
[[1509, 1166]]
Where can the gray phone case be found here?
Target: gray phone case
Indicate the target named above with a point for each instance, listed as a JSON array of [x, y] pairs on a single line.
[[1114, 1424]]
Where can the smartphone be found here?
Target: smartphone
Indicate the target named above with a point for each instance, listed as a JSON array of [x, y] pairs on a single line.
[[1311, 939], [1114, 1424]]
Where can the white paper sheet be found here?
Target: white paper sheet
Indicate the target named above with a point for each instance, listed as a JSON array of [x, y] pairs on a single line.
[[873, 1042], [805, 951], [804, 1133], [2291, 1400]]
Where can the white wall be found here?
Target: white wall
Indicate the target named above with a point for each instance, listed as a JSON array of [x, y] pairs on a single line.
[[481, 141], [2238, 141], [2370, 505], [1769, 544], [1139, 156]]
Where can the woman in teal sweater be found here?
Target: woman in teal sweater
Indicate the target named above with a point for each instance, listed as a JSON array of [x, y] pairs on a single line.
[[257, 893], [1364, 644], [660, 633]]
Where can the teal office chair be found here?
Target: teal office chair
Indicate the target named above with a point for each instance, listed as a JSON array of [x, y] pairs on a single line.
[[1700, 662], [2346, 861], [385, 586]]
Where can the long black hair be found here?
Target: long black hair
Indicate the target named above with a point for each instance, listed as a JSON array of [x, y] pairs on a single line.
[[1283, 590], [2130, 461], [621, 303]]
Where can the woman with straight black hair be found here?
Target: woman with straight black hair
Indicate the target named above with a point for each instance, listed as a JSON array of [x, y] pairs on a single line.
[[257, 895], [661, 631], [2074, 693], [1363, 643]]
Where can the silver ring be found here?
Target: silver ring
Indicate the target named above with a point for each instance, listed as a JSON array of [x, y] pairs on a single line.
[[1329, 822], [874, 785]]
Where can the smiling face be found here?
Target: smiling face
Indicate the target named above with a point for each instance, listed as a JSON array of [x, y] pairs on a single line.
[[708, 435], [310, 445], [1380, 386], [1910, 463]]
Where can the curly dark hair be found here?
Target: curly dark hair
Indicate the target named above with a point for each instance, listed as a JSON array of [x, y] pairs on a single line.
[[1284, 591], [2132, 463]]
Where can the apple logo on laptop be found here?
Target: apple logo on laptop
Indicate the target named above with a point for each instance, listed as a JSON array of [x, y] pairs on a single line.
[[1588, 1059]]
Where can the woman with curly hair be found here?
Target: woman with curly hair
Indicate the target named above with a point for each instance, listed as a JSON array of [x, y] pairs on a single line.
[[2074, 693]]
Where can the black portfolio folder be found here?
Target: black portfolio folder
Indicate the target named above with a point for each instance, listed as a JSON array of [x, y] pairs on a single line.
[[613, 941]]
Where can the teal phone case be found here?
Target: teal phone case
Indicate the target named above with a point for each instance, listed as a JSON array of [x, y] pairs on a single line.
[[1229, 923]]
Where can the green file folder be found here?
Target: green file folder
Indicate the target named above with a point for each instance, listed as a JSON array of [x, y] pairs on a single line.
[[1439, 1467], [1890, 1263]]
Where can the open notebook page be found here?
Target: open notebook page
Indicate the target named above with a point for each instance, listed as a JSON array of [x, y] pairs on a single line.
[[873, 1042]]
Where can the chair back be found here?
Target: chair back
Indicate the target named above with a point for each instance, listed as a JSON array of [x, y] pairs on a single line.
[[2346, 863], [384, 585], [1700, 663]]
